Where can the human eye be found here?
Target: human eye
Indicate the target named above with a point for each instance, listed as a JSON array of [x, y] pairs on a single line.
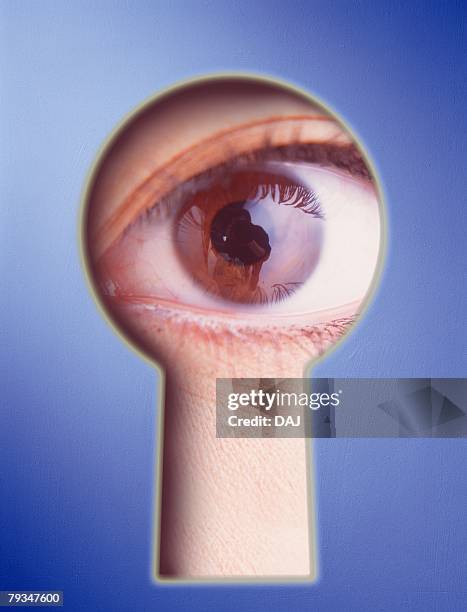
[[270, 221]]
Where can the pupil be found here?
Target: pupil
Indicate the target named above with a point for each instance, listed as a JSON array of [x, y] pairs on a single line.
[[236, 238]]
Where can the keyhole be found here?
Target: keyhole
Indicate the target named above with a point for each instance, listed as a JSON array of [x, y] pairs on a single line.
[[244, 246]]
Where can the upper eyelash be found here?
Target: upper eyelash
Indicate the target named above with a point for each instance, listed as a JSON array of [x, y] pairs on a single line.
[[294, 195], [344, 157], [288, 194]]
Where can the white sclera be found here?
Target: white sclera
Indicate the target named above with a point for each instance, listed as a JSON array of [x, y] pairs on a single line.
[[351, 244]]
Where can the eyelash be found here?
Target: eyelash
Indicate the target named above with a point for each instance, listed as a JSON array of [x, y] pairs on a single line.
[[294, 195], [346, 158]]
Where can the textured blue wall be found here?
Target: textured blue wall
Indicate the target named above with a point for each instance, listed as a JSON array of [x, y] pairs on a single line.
[[78, 408]]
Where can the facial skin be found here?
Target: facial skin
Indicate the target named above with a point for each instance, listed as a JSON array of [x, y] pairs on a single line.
[[229, 507]]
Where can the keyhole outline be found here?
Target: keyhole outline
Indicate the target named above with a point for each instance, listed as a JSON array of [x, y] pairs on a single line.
[[132, 344]]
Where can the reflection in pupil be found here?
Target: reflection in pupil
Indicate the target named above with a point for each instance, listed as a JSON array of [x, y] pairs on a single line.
[[237, 239]]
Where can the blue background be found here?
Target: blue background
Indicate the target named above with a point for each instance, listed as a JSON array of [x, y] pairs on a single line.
[[77, 429]]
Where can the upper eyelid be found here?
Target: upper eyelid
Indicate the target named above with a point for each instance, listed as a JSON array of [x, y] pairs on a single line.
[[212, 151]]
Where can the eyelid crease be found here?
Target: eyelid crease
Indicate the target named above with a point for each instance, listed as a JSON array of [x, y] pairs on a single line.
[[272, 132]]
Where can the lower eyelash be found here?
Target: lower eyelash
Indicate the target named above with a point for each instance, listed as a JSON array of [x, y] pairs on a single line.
[[232, 324], [278, 293], [281, 291], [312, 339]]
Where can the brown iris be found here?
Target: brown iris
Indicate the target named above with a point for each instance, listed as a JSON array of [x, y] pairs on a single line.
[[244, 237]]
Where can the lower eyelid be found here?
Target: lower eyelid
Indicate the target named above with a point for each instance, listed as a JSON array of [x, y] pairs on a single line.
[[155, 325]]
